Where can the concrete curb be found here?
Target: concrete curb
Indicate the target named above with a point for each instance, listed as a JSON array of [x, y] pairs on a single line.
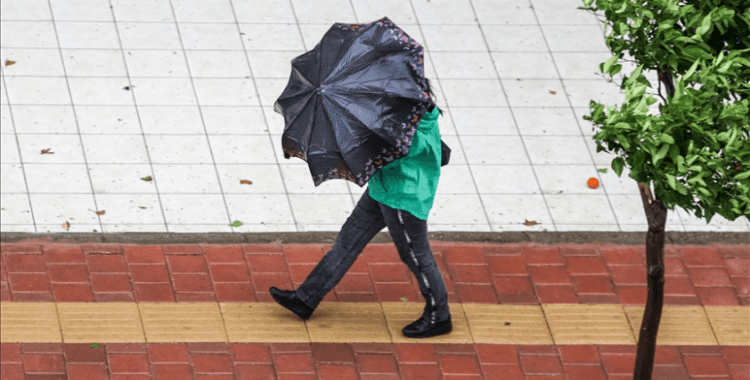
[[542, 238]]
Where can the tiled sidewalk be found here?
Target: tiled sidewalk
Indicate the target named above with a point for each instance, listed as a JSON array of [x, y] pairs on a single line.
[[182, 92], [715, 275]]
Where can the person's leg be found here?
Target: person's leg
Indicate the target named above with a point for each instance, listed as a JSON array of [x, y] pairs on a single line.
[[409, 233], [362, 225]]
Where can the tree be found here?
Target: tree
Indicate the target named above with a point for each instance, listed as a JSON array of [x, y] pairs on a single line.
[[696, 152]]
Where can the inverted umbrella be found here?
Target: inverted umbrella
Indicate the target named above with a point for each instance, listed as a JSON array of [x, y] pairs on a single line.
[[353, 103]]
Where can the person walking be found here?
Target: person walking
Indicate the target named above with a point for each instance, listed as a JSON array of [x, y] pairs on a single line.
[[359, 107], [399, 197]]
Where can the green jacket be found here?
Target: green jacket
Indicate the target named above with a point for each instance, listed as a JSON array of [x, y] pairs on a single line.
[[410, 183]]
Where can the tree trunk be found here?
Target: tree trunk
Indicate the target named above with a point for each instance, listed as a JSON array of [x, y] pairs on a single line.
[[656, 214]]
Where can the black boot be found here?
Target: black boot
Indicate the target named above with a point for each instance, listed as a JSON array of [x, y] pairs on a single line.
[[289, 299], [422, 328]]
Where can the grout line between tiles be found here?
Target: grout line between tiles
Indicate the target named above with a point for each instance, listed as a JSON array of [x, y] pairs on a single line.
[[75, 118], [526, 150], [200, 112], [140, 123], [263, 112], [458, 137]]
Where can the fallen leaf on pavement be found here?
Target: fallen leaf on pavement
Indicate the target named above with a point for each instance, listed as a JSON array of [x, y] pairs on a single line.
[[9, 62], [47, 151], [67, 226], [236, 223], [147, 178], [531, 223], [100, 212], [553, 92], [246, 182], [142, 207]]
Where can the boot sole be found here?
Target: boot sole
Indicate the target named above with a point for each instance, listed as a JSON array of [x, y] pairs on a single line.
[[438, 331]]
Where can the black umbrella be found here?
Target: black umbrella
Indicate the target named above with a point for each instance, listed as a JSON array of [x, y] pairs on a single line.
[[353, 103]]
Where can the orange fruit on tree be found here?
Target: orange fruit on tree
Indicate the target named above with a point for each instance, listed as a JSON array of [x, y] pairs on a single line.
[[593, 183]]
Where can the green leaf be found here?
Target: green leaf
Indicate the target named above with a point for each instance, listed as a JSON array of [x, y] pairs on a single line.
[[690, 71], [646, 125], [731, 139], [617, 165], [705, 25], [623, 141], [609, 63], [697, 180], [742, 60], [622, 125], [622, 9], [615, 69], [680, 188], [660, 155], [642, 107], [666, 138], [671, 180], [236, 223], [94, 345], [635, 92], [636, 73], [724, 68], [602, 170], [719, 58], [666, 24], [403, 299], [741, 176]]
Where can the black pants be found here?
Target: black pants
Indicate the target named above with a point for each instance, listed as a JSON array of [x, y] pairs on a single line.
[[410, 236]]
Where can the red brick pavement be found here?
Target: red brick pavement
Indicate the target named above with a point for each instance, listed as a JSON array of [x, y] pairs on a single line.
[[362, 361], [509, 274]]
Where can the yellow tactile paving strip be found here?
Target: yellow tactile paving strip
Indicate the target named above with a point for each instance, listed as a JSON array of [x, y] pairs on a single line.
[[117, 322], [40, 322], [679, 325], [731, 324], [507, 324], [588, 324], [29, 322], [262, 322], [182, 322]]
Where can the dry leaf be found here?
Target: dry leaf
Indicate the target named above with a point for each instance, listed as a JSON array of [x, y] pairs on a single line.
[[531, 223], [142, 207], [67, 226], [47, 151], [147, 178], [552, 92], [100, 212], [127, 88], [9, 62], [246, 182]]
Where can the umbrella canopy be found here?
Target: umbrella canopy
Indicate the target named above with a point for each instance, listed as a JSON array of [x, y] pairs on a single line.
[[353, 103]]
